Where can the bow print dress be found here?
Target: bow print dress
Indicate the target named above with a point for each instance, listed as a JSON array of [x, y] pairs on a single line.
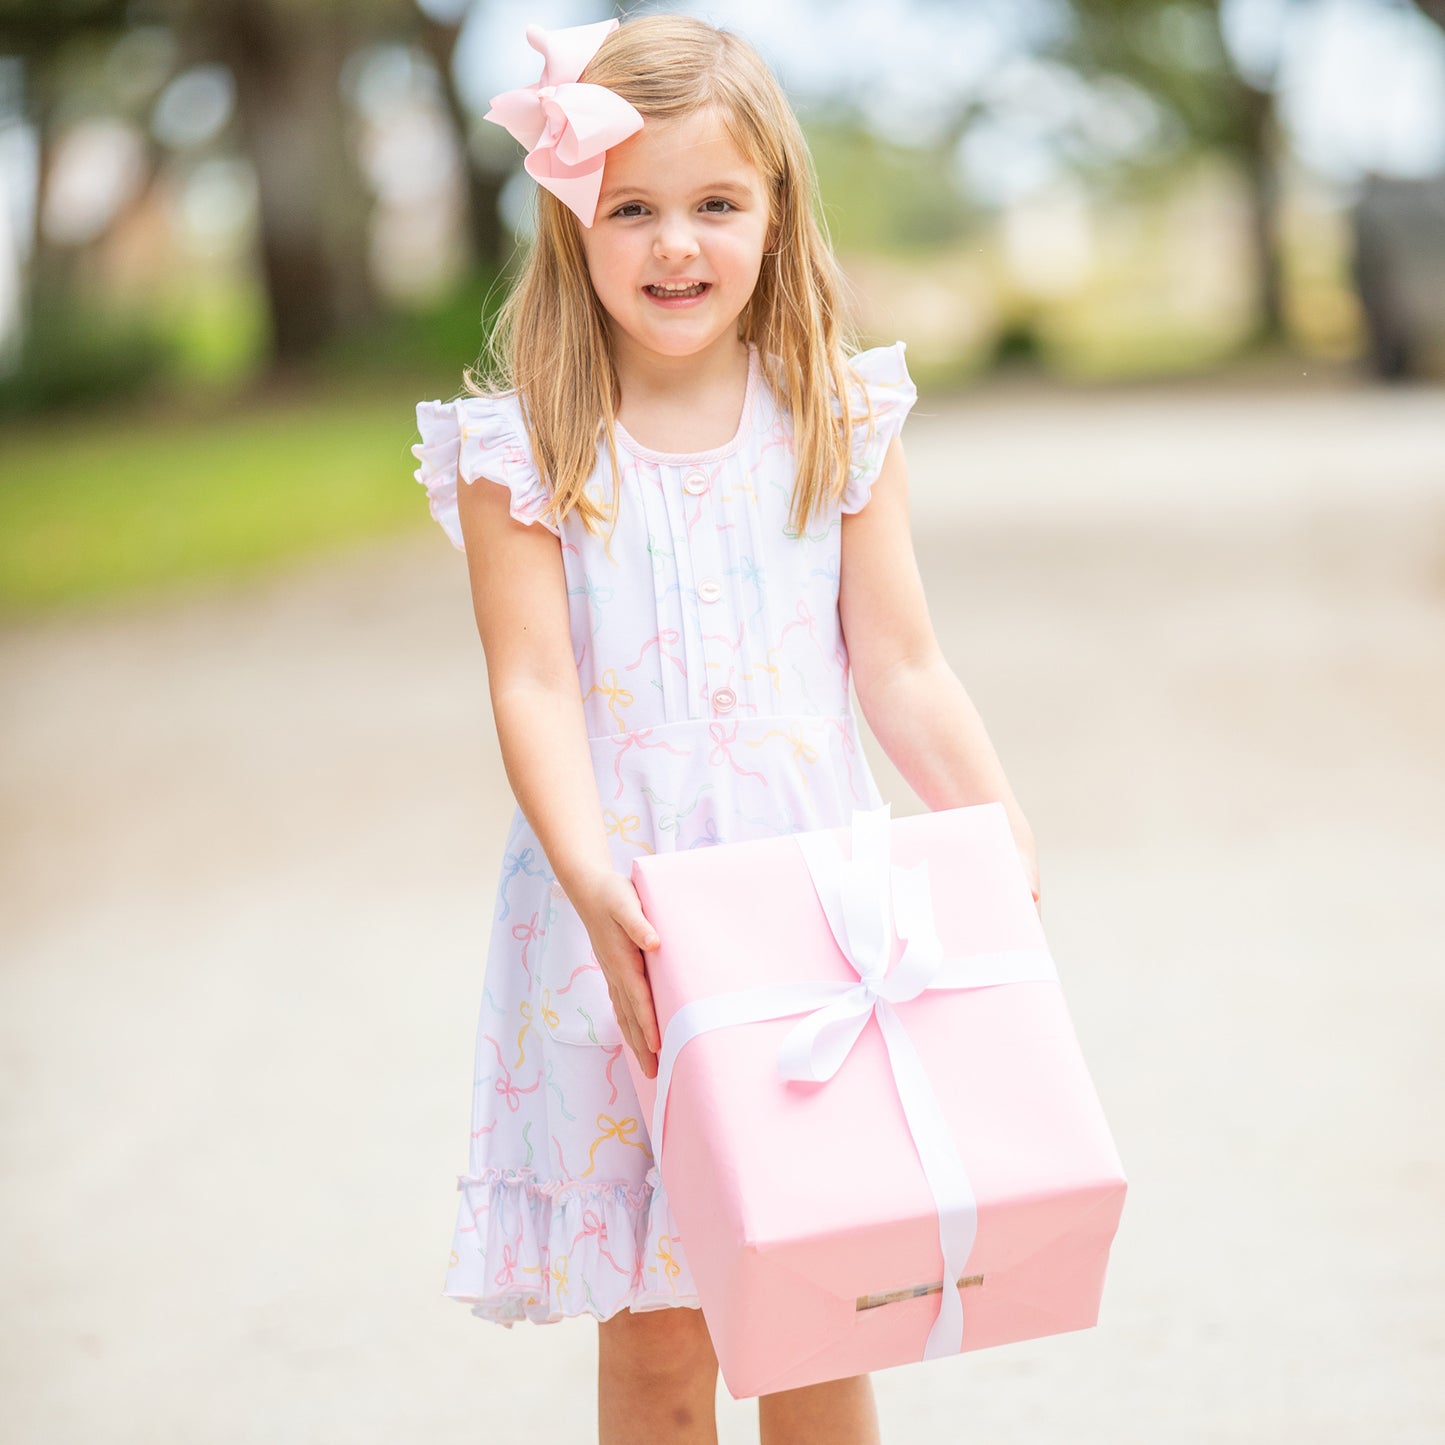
[[714, 680]]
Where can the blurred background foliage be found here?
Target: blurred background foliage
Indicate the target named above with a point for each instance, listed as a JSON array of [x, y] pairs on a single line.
[[242, 237]]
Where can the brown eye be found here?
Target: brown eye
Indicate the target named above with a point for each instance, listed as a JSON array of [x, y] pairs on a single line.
[[718, 201]]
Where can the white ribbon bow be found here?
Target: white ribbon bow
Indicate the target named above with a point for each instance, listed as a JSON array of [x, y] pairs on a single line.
[[855, 896]]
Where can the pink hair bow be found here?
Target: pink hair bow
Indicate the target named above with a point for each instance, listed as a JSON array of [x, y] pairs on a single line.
[[567, 127]]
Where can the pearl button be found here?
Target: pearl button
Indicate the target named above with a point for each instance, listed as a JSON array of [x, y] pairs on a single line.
[[709, 589], [724, 699], [695, 483]]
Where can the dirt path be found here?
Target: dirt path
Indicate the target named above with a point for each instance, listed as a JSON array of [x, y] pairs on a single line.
[[248, 850]]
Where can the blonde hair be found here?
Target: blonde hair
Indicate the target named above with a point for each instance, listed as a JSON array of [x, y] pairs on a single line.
[[551, 341]]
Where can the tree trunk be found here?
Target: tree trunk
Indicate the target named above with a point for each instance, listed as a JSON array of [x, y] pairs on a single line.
[[1259, 157], [491, 242], [54, 270], [313, 205], [1433, 10]]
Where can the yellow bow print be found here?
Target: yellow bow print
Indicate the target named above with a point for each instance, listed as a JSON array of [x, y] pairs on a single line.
[[622, 825], [670, 1266], [614, 693], [525, 1009], [619, 1129], [803, 751]]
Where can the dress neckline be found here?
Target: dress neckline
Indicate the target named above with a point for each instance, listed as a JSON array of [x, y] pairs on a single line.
[[712, 454]]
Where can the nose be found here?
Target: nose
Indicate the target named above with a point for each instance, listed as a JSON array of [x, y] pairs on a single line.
[[674, 238]]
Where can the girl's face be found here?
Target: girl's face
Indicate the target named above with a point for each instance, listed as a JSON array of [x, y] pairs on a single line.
[[677, 243]]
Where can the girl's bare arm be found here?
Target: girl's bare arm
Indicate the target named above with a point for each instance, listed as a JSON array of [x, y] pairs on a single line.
[[913, 701], [519, 596]]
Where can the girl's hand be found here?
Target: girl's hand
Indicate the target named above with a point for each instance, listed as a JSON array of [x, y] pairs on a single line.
[[610, 910]]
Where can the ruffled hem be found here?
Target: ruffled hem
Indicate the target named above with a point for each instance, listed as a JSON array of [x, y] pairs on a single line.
[[542, 1250], [891, 391], [469, 438]]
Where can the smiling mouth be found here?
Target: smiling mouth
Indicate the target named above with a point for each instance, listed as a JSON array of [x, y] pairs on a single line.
[[669, 293]]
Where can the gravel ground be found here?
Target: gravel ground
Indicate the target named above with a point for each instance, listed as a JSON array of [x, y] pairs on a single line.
[[249, 844]]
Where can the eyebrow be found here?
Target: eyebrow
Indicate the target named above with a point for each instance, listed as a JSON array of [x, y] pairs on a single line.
[[642, 193]]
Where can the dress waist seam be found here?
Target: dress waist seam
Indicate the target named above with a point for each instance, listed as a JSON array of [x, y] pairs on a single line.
[[694, 722]]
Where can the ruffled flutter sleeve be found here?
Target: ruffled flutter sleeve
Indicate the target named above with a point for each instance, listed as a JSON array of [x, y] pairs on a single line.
[[884, 376], [475, 437]]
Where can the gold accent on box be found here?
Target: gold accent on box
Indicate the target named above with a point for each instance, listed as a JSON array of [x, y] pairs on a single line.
[[917, 1291]]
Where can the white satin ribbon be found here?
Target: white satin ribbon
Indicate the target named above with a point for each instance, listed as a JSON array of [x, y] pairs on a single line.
[[855, 894]]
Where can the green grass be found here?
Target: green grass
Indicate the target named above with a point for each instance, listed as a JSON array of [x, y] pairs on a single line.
[[105, 503]]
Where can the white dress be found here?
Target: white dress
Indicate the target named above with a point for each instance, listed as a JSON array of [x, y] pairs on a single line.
[[714, 681]]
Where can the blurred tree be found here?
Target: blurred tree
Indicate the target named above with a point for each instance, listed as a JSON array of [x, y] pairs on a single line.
[[895, 203], [41, 35], [286, 59], [491, 241], [1175, 50], [63, 350]]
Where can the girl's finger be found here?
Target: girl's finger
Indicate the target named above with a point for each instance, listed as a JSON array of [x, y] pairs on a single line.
[[638, 929], [635, 1034], [637, 998], [646, 1057], [622, 1009], [632, 1004], [633, 1037], [640, 1001], [621, 1013]]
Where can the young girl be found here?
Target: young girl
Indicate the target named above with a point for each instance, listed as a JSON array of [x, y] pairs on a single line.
[[673, 570]]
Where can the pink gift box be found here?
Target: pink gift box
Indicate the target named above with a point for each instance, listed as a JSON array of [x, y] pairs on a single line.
[[815, 1230]]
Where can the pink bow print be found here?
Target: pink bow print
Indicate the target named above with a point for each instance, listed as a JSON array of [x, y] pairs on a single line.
[[567, 127]]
